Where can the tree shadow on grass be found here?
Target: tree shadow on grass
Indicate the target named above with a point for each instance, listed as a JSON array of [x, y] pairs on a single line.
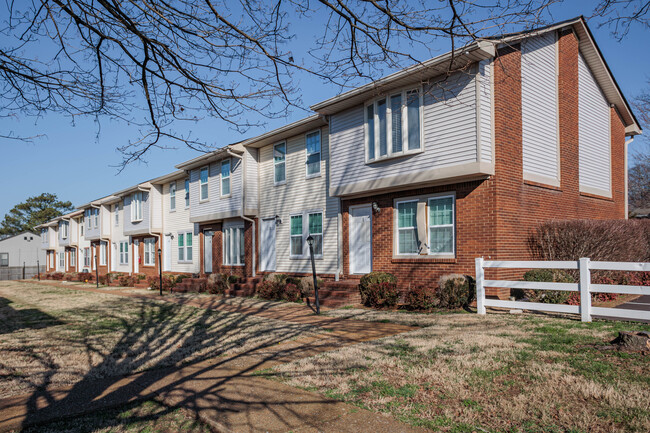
[[144, 355], [12, 320]]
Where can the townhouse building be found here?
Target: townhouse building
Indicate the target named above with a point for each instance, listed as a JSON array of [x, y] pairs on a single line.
[[415, 174]]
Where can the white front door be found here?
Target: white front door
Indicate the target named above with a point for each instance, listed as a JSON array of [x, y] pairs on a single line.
[[267, 245], [136, 256], [207, 251], [360, 239], [168, 253]]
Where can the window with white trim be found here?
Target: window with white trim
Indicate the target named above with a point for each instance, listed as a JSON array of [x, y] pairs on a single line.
[[65, 229], [185, 247], [203, 182], [86, 257], [116, 210], [87, 215], [316, 232], [81, 226], [150, 252], [407, 227], [312, 147], [172, 196], [62, 261], [303, 225], [441, 225], [233, 245], [279, 163], [73, 257], [4, 259], [187, 193], [95, 217], [225, 177], [136, 206], [393, 125], [296, 245], [103, 247], [124, 253]]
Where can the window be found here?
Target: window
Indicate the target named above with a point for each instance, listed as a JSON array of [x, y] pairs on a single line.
[[441, 225], [95, 212], [124, 253], [73, 257], [172, 196], [136, 206], [295, 247], [204, 184], [279, 156], [64, 227], [102, 253], [87, 215], [81, 226], [62, 261], [225, 177], [233, 245], [116, 209], [150, 252], [187, 193], [316, 232], [4, 259], [86, 257], [185, 247], [312, 145], [393, 125], [407, 231]]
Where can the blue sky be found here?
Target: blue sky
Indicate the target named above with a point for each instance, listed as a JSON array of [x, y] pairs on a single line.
[[77, 159]]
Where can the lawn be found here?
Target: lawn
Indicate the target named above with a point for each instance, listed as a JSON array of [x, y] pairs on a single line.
[[53, 336], [463, 373]]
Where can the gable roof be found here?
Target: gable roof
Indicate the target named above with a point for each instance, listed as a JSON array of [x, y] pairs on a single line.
[[20, 234], [485, 48]]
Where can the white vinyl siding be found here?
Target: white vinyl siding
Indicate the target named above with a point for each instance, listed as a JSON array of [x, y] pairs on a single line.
[[539, 109], [594, 133], [485, 109], [178, 223], [149, 252], [216, 207], [300, 196]]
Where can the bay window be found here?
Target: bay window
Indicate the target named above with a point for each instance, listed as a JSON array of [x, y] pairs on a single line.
[[203, 182], [233, 245], [136, 206], [185, 247], [150, 252], [225, 177], [393, 126], [279, 167], [312, 146], [172, 196]]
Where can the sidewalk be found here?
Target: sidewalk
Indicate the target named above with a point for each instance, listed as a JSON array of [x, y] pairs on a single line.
[[224, 392]]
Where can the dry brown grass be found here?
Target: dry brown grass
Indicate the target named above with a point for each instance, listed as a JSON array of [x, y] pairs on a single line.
[[462, 372], [56, 336]]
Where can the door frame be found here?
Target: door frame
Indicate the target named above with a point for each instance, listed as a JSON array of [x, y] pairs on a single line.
[[204, 243], [275, 237], [167, 253], [350, 208]]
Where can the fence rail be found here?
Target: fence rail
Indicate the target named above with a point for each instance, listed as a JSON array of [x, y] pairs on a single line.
[[583, 287], [16, 272]]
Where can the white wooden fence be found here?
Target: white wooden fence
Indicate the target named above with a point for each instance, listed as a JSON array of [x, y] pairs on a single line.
[[583, 286]]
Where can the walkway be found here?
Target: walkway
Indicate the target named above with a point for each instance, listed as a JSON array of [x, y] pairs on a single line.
[[224, 392]]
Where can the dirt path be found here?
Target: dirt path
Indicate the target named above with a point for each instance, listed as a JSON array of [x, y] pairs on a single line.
[[224, 392]]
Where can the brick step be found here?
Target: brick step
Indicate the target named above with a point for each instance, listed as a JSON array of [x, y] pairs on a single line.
[[240, 292], [333, 302], [323, 294], [342, 284], [141, 284], [239, 286]]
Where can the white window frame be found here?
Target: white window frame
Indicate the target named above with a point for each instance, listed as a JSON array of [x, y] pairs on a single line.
[[81, 227], [276, 164], [187, 193], [389, 136], [307, 154], [4, 257], [62, 260], [149, 243], [103, 253], [172, 196], [136, 206], [322, 242], [234, 245], [65, 230], [226, 178], [116, 209], [185, 248], [124, 252], [95, 213], [87, 215], [87, 257], [206, 183], [73, 257], [305, 233], [397, 228], [452, 225]]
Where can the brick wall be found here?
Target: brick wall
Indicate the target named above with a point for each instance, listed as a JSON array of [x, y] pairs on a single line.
[[142, 269], [217, 250], [494, 217]]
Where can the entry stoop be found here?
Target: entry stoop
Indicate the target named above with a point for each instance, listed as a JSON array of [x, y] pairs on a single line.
[[338, 293], [191, 285], [245, 287]]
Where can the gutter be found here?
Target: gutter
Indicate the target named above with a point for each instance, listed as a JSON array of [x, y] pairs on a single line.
[[243, 205]]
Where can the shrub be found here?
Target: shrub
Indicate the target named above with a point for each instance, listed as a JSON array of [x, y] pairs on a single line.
[[169, 282], [306, 285], [57, 276], [141, 277], [455, 291], [126, 281], [368, 280], [70, 276], [291, 293], [277, 278], [421, 298], [180, 278], [380, 294], [269, 289], [217, 283], [232, 279], [547, 276], [103, 279]]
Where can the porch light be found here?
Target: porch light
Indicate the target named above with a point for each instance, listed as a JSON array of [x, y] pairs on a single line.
[[375, 207], [310, 242]]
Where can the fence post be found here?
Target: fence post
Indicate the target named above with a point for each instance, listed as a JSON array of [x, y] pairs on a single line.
[[480, 290], [585, 290]]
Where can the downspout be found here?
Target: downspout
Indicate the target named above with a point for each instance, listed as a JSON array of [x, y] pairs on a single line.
[[243, 204], [627, 143]]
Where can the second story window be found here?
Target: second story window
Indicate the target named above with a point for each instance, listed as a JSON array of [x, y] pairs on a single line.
[[312, 145], [95, 217], [87, 215], [116, 209], [136, 206], [172, 196], [81, 226], [64, 230], [187, 193], [393, 126], [225, 177], [279, 155], [203, 191]]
